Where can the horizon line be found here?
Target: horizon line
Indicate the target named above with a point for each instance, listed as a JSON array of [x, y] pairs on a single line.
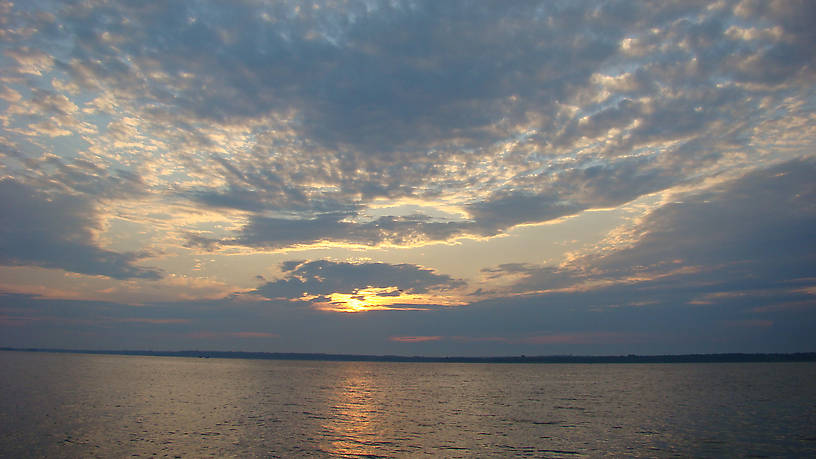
[[728, 357]]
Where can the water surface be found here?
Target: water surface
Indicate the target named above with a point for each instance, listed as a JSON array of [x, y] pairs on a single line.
[[74, 405]]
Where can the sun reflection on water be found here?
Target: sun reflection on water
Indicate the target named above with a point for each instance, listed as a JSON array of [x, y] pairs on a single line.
[[355, 427]]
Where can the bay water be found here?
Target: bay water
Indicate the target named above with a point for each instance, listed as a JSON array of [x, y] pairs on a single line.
[[76, 405]]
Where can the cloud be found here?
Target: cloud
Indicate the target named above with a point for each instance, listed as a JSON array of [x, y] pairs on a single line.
[[751, 233], [249, 334], [364, 76], [84, 177], [582, 338], [784, 58], [303, 117], [56, 232], [388, 230], [568, 193], [414, 339], [323, 277], [601, 321], [140, 320], [334, 126], [759, 224], [730, 267]]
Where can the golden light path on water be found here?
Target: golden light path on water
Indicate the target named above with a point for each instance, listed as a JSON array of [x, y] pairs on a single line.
[[353, 427]]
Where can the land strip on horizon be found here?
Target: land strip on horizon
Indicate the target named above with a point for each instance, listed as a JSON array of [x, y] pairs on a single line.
[[630, 358]]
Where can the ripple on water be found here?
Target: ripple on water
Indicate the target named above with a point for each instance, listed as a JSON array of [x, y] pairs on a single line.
[[112, 406]]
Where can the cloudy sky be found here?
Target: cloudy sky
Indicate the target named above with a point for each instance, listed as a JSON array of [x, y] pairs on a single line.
[[424, 177]]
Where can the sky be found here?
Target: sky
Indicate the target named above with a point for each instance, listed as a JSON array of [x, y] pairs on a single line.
[[465, 178]]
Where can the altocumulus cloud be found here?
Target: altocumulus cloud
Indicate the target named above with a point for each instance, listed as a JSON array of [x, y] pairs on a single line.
[[525, 113], [305, 115]]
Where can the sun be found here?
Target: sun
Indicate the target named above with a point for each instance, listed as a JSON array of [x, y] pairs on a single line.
[[355, 305], [383, 299]]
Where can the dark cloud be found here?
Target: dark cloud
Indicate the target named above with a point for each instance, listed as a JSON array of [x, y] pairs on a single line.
[[325, 277], [535, 277], [55, 232], [197, 241], [505, 210], [749, 234], [761, 222], [570, 192]]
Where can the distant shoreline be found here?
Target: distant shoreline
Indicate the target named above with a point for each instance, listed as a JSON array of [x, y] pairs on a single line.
[[631, 358]]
